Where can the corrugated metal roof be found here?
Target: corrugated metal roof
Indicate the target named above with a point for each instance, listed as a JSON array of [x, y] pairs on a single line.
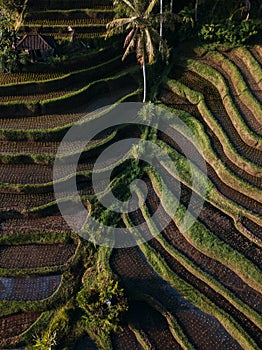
[[35, 42]]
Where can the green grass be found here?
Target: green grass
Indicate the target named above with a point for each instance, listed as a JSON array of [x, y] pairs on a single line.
[[196, 271], [241, 87], [198, 99], [206, 241], [252, 64], [219, 82], [205, 146], [194, 296]]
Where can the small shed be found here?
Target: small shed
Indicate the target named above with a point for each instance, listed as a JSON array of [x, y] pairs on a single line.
[[39, 47]]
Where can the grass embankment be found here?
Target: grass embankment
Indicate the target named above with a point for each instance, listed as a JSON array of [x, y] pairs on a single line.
[[194, 296], [71, 278], [198, 272], [56, 134], [216, 78], [203, 239], [230, 208], [239, 84], [98, 71], [208, 153], [251, 63], [65, 103], [198, 99]]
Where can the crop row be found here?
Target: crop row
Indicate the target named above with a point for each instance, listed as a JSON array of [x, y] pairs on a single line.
[[54, 127], [35, 255], [37, 97], [84, 61], [247, 202], [29, 288], [85, 35], [18, 78], [50, 148], [44, 122], [216, 118], [250, 70], [69, 4], [125, 338], [222, 91], [215, 148], [216, 106], [249, 107], [254, 228], [208, 242], [216, 298], [22, 202], [77, 79], [35, 173], [150, 327], [56, 31], [22, 147], [131, 265], [222, 273], [13, 325], [236, 192], [83, 22], [19, 225], [179, 272], [67, 102], [68, 15], [235, 188], [215, 220], [256, 52]]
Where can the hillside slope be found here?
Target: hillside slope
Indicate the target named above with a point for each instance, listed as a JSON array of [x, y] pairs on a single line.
[[198, 289]]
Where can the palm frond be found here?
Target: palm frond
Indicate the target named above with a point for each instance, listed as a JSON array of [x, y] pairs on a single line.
[[150, 7], [117, 26], [159, 40], [167, 18], [140, 49], [119, 22], [149, 47], [131, 45], [129, 4], [129, 37]]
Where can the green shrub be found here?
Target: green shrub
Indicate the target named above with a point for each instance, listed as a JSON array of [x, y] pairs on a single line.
[[102, 303], [46, 342], [228, 32]]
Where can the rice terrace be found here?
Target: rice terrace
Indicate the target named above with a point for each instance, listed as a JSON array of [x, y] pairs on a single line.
[[130, 174]]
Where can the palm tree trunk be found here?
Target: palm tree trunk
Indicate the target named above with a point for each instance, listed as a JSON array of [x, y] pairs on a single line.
[[214, 7], [161, 23], [248, 6], [196, 11], [144, 76], [171, 6], [161, 20]]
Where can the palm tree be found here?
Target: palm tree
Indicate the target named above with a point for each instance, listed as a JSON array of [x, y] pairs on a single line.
[[161, 23], [196, 10], [142, 37], [171, 6], [161, 20], [248, 6]]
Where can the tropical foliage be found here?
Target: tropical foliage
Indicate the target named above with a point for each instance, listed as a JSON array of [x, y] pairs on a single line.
[[9, 58], [13, 7], [228, 32], [47, 342], [142, 36], [103, 304]]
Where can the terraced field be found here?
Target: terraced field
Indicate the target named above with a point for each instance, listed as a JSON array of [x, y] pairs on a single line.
[[87, 18], [198, 289]]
